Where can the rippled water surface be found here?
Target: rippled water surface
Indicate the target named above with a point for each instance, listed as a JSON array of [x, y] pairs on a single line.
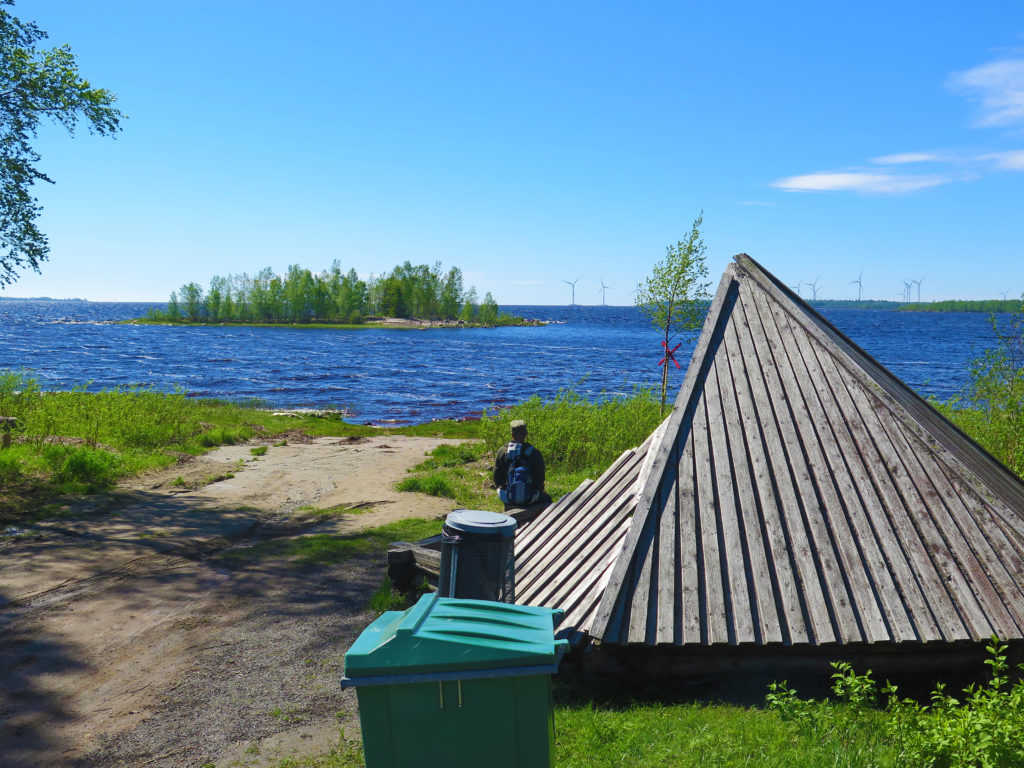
[[414, 376]]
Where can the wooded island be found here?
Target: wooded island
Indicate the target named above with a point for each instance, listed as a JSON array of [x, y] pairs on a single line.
[[333, 297]]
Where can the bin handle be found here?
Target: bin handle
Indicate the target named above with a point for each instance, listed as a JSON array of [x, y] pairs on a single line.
[[440, 693]]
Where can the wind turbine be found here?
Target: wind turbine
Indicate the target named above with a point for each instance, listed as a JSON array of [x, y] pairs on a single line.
[[1004, 294], [907, 285], [797, 286], [814, 288], [857, 281], [602, 290], [918, 282], [573, 285]]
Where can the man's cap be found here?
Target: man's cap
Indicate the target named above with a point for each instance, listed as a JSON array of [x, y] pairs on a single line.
[[517, 424]]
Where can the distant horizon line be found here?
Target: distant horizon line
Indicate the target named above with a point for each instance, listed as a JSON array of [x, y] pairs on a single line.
[[516, 304]]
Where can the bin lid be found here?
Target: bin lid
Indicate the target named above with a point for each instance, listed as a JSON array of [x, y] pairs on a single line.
[[445, 634], [481, 521]]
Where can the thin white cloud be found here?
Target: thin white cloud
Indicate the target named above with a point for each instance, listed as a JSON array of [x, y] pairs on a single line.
[[1007, 161], [910, 157], [998, 87], [859, 181]]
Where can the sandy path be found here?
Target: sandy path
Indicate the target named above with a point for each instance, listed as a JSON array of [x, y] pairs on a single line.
[[125, 641]]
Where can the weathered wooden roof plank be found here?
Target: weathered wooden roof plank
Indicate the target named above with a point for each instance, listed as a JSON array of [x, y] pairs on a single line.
[[839, 496], [739, 604], [688, 580], [668, 586], [764, 445], [895, 587], [744, 437], [831, 614], [555, 561], [715, 627]]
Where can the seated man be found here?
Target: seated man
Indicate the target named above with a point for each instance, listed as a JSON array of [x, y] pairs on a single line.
[[519, 472]]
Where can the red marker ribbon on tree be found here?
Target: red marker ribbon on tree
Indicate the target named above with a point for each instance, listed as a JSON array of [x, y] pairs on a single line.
[[670, 354]]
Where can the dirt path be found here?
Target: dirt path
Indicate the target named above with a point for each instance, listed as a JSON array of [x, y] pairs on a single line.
[[125, 640]]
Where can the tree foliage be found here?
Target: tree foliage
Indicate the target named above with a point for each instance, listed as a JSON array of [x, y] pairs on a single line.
[[674, 296], [995, 394], [35, 84], [989, 306], [332, 296]]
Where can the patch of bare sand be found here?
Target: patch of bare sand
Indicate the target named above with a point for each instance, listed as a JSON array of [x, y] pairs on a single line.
[[125, 641]]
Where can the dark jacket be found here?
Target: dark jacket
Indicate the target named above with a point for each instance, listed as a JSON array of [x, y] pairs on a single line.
[[534, 462]]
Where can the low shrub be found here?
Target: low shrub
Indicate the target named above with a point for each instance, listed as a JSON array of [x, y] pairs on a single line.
[[981, 729], [19, 394], [10, 467], [432, 484], [452, 455], [83, 468], [219, 436]]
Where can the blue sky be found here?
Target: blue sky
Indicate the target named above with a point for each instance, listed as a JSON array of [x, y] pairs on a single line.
[[529, 143]]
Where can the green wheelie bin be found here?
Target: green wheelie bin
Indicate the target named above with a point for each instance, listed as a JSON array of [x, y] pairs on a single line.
[[457, 683]]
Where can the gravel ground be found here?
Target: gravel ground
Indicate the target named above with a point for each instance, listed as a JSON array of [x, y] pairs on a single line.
[[130, 634], [263, 680]]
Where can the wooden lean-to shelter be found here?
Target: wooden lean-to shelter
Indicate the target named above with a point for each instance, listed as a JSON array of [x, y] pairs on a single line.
[[799, 504]]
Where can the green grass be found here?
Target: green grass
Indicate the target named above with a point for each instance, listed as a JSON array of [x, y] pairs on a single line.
[[452, 455], [432, 484], [386, 599], [460, 472], [645, 735], [326, 549], [335, 511], [655, 735], [82, 442], [578, 439], [859, 727]]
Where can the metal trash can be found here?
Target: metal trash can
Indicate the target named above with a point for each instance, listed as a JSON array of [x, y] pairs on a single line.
[[457, 683], [477, 559]]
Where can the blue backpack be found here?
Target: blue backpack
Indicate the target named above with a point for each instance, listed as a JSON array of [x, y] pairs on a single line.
[[519, 485]]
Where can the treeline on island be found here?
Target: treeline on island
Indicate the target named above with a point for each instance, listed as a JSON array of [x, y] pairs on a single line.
[[334, 297], [989, 306]]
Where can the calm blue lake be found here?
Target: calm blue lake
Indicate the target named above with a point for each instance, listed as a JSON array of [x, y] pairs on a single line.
[[415, 376]]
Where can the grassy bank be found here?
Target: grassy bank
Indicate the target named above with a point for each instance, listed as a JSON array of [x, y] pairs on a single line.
[[578, 439], [83, 442]]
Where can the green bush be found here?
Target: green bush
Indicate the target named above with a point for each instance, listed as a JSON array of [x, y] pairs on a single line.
[[981, 730], [86, 469], [995, 396], [19, 394], [10, 467]]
